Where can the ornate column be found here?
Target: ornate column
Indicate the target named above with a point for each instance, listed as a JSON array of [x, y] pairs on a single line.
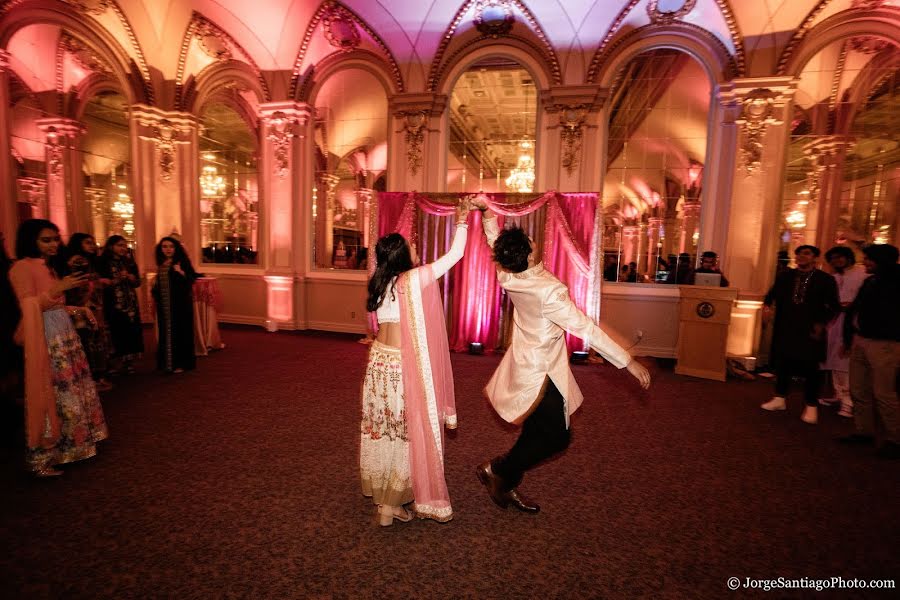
[[8, 220], [165, 184], [751, 208], [654, 246], [690, 224], [417, 142], [364, 198], [283, 131], [755, 113], [630, 238], [829, 154], [325, 199], [572, 142], [63, 165]]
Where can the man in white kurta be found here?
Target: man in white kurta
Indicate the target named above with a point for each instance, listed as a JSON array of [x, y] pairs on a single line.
[[533, 385], [849, 279]]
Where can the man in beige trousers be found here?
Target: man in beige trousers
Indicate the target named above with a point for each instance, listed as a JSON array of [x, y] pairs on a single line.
[[533, 385]]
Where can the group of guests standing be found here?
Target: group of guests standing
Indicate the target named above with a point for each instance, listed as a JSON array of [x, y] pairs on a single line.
[[76, 315], [848, 323], [408, 391]]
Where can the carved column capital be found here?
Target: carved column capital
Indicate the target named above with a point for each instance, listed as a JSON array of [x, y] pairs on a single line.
[[59, 134], [282, 122], [414, 113], [165, 129]]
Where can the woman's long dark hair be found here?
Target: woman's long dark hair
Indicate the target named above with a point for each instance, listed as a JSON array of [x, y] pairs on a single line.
[[108, 246], [392, 254], [75, 248], [179, 258]]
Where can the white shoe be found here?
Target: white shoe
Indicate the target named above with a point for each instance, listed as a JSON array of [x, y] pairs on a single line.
[[776, 403], [810, 415], [828, 401], [846, 411]]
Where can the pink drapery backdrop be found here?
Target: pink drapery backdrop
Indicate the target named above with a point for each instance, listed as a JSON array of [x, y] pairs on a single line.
[[563, 226]]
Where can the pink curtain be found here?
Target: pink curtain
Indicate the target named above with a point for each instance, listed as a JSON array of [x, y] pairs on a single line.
[[562, 226]]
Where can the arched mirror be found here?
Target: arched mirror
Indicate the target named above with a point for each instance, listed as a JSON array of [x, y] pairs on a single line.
[[351, 159], [656, 152], [843, 169], [491, 141], [106, 165], [229, 186]]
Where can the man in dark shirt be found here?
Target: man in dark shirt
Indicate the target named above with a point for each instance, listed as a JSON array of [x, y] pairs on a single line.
[[709, 263], [806, 299], [872, 334]]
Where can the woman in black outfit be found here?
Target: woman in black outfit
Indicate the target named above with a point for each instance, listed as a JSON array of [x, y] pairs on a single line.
[[172, 292], [120, 301]]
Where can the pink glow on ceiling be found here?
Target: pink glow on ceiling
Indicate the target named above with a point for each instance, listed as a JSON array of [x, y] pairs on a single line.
[[34, 50], [73, 72]]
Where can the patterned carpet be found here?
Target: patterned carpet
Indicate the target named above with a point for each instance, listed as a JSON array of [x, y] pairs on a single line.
[[240, 480]]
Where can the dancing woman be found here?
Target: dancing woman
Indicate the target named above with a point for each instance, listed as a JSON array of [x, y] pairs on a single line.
[[408, 391], [63, 416]]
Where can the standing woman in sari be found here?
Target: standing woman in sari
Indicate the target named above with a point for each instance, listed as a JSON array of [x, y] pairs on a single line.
[[63, 416], [120, 302], [408, 394], [173, 294]]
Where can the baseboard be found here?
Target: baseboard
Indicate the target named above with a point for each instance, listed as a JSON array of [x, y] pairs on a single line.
[[654, 351], [242, 320], [336, 326]]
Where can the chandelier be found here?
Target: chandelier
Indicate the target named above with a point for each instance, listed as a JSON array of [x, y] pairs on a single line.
[[521, 178], [211, 183]]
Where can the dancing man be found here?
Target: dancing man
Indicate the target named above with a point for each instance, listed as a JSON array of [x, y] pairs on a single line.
[[534, 386]]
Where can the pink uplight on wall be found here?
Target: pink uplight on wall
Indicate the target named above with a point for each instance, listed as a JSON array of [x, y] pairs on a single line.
[[279, 305]]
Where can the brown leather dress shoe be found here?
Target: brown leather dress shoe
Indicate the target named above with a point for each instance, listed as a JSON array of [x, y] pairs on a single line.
[[494, 485], [521, 502]]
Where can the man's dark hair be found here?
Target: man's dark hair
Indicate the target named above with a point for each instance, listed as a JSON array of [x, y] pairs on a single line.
[[816, 252], [883, 255], [511, 249], [844, 251], [709, 254]]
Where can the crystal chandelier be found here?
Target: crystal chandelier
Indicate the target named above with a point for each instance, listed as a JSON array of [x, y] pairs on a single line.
[[211, 183], [521, 178]]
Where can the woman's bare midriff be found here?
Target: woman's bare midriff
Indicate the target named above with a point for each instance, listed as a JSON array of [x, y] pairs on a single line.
[[389, 334]]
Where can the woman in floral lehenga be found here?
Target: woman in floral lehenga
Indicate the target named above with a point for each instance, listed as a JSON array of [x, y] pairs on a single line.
[[408, 391], [88, 318], [120, 302], [63, 416], [173, 295]]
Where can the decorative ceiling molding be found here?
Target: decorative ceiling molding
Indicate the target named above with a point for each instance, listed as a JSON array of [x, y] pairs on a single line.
[[859, 20], [206, 32], [740, 57], [323, 11], [339, 29], [95, 9], [724, 63], [90, 7], [439, 63], [799, 34], [493, 17], [608, 44], [83, 54], [668, 16]]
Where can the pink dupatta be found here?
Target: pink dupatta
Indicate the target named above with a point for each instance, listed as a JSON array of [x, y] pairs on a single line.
[[42, 428], [428, 389]]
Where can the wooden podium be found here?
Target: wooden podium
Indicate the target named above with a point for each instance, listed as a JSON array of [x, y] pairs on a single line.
[[703, 330]]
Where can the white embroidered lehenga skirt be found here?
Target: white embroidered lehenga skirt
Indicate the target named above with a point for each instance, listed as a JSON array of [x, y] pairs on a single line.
[[384, 445]]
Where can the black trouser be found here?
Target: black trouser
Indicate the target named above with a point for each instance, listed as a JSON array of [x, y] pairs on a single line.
[[808, 369], [543, 434]]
